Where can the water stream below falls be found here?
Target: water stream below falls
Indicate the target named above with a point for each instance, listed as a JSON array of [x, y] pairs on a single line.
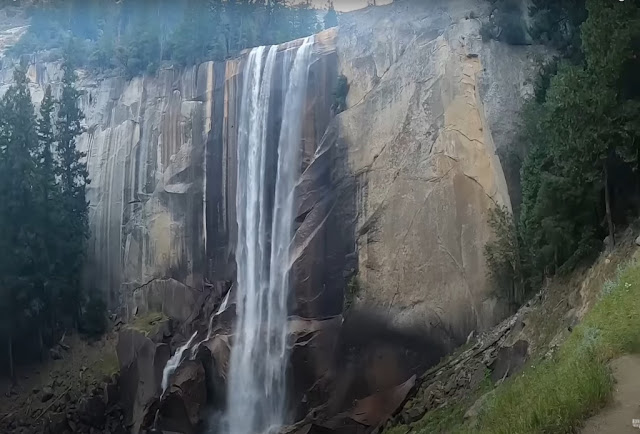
[[265, 217]]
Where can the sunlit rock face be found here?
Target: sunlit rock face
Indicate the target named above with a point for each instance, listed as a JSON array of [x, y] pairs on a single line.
[[428, 106]]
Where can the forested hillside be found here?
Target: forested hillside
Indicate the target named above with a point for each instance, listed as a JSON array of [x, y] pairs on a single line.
[[136, 36], [581, 131]]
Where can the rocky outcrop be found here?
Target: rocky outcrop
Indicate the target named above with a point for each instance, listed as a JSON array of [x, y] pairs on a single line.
[[429, 103], [141, 363], [181, 405]]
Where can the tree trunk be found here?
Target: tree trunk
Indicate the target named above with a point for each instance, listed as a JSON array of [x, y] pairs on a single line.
[[638, 181], [607, 201], [10, 356], [40, 344]]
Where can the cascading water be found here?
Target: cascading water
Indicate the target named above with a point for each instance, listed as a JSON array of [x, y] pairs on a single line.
[[265, 231], [174, 362]]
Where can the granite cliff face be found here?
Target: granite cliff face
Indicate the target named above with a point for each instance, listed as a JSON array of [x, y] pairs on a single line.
[[396, 188], [429, 103]]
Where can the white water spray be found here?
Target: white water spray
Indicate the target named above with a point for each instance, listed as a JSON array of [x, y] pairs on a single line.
[[257, 386], [222, 308], [174, 362]]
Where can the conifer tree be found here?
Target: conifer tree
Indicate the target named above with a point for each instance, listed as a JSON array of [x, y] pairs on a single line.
[[73, 175], [20, 300], [49, 211], [331, 17]]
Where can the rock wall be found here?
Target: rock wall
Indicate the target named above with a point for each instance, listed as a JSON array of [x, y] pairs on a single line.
[[397, 187], [429, 103], [161, 153]]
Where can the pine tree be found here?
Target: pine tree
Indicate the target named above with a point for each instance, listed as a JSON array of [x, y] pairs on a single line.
[[49, 211], [19, 244], [331, 18], [73, 175]]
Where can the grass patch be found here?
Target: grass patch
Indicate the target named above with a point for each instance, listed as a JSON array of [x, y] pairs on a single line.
[[556, 395], [108, 364], [147, 324]]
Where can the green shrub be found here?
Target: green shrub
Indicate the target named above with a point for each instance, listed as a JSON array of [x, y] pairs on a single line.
[[351, 293], [340, 95], [503, 256]]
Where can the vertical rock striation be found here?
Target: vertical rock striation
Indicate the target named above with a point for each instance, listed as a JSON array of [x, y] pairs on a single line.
[[161, 153], [397, 187], [428, 105]]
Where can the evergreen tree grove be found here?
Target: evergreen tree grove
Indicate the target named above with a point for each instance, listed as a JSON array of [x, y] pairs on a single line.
[[583, 132], [21, 298], [44, 219], [331, 18], [134, 37]]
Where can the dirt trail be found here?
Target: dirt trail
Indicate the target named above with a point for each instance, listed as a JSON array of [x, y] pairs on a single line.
[[617, 417]]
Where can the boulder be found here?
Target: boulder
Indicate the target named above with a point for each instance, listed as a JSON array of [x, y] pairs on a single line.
[[214, 354], [55, 354], [92, 411], [111, 392], [56, 423], [181, 405], [510, 360], [47, 394], [141, 364]]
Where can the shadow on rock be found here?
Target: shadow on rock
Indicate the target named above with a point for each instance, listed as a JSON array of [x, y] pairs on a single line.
[[370, 368]]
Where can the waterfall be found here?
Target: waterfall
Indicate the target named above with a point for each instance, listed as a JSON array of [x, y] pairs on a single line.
[[174, 362], [265, 230], [222, 308]]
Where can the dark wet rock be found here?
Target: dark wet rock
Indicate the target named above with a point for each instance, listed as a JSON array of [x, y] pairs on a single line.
[[111, 393], [55, 354], [181, 405], [92, 411], [47, 394], [56, 423], [214, 355], [377, 409], [141, 364]]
